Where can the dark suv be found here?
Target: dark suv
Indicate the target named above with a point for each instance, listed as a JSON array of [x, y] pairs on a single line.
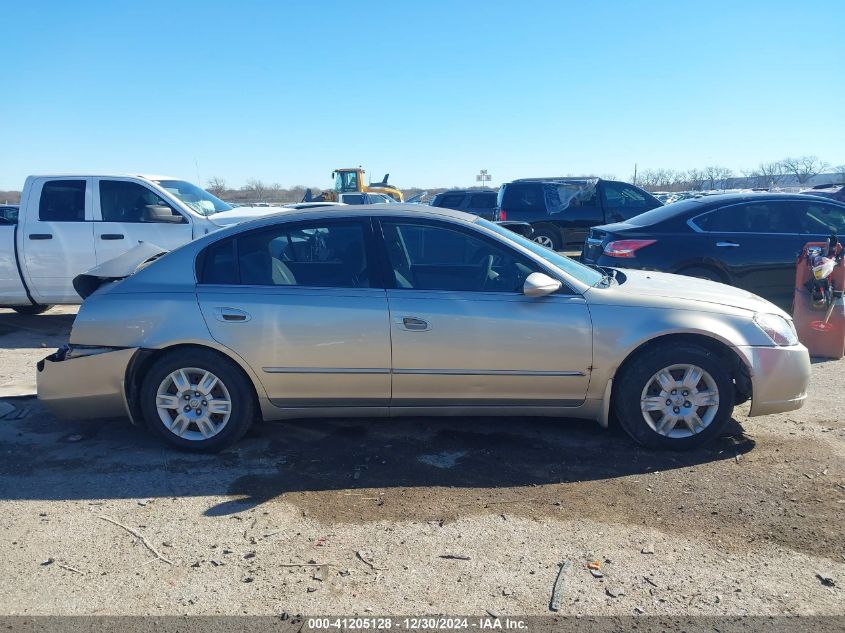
[[562, 210], [477, 201]]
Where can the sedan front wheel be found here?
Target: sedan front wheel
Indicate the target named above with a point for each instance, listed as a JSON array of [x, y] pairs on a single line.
[[674, 398]]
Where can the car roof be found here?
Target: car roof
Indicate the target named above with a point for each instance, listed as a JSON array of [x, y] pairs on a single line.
[[722, 198], [578, 179], [490, 191], [359, 210], [151, 177]]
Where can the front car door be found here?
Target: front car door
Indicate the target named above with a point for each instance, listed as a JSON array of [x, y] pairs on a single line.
[[127, 212], [463, 333], [623, 201], [58, 241], [756, 243], [302, 304]]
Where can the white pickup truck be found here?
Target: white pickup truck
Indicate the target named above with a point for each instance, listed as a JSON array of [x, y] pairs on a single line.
[[69, 224]]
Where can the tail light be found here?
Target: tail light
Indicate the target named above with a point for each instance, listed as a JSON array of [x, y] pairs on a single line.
[[626, 249], [501, 215]]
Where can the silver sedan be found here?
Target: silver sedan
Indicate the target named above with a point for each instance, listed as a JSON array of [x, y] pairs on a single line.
[[365, 311]]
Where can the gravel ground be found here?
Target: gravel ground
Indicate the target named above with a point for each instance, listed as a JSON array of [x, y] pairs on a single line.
[[417, 516]]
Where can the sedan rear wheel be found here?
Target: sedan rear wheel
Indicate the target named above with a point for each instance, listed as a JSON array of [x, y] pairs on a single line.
[[674, 397], [197, 400]]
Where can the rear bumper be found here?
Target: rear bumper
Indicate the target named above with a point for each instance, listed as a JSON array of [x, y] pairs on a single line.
[[780, 377], [85, 387]]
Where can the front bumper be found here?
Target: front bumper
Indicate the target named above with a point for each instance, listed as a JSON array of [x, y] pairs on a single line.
[[779, 377], [84, 387]]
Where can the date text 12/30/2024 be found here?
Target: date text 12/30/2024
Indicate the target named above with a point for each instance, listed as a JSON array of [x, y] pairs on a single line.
[[422, 623]]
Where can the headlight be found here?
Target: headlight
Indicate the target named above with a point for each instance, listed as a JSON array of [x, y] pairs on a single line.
[[781, 331]]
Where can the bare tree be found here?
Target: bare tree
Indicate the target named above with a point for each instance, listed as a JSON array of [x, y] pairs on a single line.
[[839, 172], [769, 174], [804, 167], [216, 186], [695, 179], [255, 188], [716, 176]]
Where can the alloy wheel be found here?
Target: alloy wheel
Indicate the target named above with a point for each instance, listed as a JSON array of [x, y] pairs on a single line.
[[544, 240], [193, 403], [680, 401]]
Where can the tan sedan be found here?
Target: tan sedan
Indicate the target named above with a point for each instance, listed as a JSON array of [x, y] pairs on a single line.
[[409, 310]]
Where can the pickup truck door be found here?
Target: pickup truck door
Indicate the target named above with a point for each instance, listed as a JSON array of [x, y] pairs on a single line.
[[56, 237], [127, 212]]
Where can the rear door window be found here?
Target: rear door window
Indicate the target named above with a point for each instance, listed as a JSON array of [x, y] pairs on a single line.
[[321, 255], [451, 201], [62, 201], [527, 196], [353, 198], [752, 217], [482, 201]]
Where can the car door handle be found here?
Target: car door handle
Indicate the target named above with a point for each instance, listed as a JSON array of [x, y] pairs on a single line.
[[41, 236], [413, 324], [112, 236], [727, 244], [231, 315]]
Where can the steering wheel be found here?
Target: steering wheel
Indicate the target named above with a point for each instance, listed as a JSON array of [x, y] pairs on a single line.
[[486, 266]]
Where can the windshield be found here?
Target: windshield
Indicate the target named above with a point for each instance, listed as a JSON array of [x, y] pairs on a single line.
[[198, 199], [582, 273]]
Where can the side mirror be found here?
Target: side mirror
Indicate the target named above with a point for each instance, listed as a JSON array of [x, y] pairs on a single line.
[[540, 285], [161, 213]]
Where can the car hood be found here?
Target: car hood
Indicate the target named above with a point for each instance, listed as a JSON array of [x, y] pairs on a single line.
[[242, 214], [680, 287]]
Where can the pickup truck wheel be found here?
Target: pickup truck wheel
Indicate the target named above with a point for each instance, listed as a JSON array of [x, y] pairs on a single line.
[[197, 401], [31, 309], [548, 237], [674, 397]]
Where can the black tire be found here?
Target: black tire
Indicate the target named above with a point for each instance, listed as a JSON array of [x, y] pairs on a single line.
[[547, 236], [239, 389], [29, 310], [636, 376], [701, 272]]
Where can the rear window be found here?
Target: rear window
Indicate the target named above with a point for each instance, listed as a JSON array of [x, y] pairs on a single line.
[[62, 201], [482, 201], [451, 201], [522, 196], [661, 214]]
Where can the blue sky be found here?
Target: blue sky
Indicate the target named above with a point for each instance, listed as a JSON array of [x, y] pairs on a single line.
[[429, 91]]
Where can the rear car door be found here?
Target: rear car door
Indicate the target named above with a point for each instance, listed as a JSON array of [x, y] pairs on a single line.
[[482, 204], [58, 237], [757, 243], [302, 304], [127, 212], [464, 334]]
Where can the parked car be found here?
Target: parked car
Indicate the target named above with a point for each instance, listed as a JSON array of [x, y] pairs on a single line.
[[69, 224], [9, 214], [562, 210], [748, 240], [476, 201], [365, 197], [836, 191], [410, 311]]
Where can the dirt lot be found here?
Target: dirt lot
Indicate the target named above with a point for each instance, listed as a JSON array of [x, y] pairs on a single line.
[[416, 516]]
